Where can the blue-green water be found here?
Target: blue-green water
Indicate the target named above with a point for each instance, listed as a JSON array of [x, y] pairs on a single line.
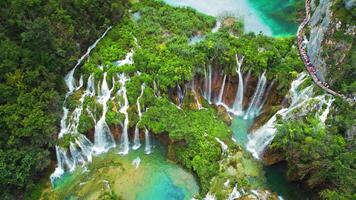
[[155, 178], [240, 129], [276, 181], [272, 17]]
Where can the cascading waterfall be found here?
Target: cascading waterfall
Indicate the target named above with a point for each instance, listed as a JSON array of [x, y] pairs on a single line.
[[147, 142], [325, 114], [258, 98], [255, 105], [103, 139], [124, 141], [63, 160], [69, 78], [137, 143], [238, 104], [263, 136], [127, 61], [220, 98], [207, 84]]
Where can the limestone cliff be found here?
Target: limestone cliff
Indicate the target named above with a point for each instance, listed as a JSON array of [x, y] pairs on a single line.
[[331, 47]]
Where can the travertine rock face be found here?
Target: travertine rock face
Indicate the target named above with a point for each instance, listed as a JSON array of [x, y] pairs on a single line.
[[319, 24], [331, 39]]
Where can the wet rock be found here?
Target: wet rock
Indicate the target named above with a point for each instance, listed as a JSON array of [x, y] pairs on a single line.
[[272, 156]]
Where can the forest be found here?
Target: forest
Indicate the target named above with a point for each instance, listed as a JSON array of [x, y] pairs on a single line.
[[40, 41]]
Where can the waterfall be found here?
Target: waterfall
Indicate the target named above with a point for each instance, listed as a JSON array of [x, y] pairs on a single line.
[[81, 150], [69, 78], [263, 136], [127, 61], [195, 95], [256, 103], [147, 142], [207, 84], [216, 27], [103, 139], [180, 93], [220, 98], [124, 141], [59, 170], [137, 143], [266, 96], [224, 147], [80, 82], [325, 114], [76, 154], [238, 104], [235, 194]]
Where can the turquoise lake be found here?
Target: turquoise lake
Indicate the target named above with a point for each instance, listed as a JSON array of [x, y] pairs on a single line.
[[272, 17]]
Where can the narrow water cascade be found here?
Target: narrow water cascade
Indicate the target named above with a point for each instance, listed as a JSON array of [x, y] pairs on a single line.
[[237, 109], [221, 93], [238, 104], [147, 142], [325, 114], [207, 84], [256, 102], [137, 142], [124, 141], [69, 78]]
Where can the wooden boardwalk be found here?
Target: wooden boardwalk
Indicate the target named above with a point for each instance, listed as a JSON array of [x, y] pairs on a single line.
[[304, 56]]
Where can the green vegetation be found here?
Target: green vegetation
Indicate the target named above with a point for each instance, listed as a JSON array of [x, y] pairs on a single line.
[[40, 41], [319, 154], [193, 134], [338, 52]]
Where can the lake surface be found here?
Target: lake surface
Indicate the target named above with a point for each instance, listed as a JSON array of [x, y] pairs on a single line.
[[275, 179], [154, 178], [272, 17]]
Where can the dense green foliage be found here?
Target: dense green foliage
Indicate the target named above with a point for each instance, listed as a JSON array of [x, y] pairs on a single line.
[[40, 41], [193, 133], [319, 154], [339, 51]]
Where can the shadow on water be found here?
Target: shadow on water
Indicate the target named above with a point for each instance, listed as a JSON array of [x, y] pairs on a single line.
[[275, 179], [277, 182]]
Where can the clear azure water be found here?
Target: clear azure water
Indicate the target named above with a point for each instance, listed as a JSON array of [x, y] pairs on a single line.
[[272, 17], [155, 178]]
